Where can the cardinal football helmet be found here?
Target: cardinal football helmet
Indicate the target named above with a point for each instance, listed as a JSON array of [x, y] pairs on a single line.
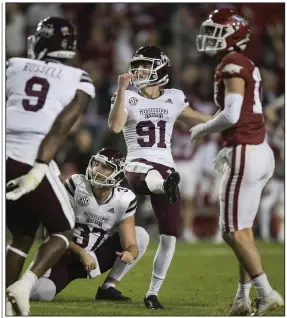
[[151, 65], [225, 30], [113, 160], [54, 38]]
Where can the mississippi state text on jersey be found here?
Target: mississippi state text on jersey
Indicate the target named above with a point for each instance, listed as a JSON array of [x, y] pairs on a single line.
[[150, 123], [94, 221], [250, 127], [37, 91]]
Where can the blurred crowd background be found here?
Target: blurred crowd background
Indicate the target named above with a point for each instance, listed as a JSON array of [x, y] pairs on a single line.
[[108, 35]]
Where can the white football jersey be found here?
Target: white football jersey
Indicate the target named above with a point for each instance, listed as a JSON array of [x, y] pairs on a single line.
[[150, 123], [37, 91], [94, 221]]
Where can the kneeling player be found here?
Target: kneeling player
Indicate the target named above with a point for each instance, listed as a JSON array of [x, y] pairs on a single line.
[[104, 237]]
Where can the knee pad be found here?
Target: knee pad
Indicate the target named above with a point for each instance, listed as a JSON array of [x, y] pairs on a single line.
[[44, 290], [142, 238]]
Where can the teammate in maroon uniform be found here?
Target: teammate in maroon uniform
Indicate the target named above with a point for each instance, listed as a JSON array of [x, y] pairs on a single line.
[[246, 161]]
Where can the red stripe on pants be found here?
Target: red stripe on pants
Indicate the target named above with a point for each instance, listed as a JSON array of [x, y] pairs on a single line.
[[227, 191], [237, 187]]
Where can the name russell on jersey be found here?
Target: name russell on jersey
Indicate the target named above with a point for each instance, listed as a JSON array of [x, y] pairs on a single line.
[[43, 70]]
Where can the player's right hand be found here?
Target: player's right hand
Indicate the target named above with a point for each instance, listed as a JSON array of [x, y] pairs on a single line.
[[26, 183], [124, 80], [88, 261], [126, 257]]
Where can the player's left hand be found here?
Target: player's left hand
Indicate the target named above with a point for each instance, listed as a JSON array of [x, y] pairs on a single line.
[[126, 257], [26, 183], [196, 131]]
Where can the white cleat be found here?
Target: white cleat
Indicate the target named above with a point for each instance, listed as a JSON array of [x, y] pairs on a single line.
[[9, 309], [265, 304], [18, 295], [240, 307]]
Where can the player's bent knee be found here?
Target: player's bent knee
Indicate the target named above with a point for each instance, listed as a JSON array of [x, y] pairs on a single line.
[[142, 238], [45, 290], [22, 243]]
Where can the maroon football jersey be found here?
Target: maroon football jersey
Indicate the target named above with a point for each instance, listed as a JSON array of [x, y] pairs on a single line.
[[250, 127]]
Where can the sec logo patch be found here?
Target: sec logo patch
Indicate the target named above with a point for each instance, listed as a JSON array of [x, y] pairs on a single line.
[[133, 101]]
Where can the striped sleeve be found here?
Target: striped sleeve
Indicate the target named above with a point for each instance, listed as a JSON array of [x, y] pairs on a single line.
[[85, 78], [70, 187], [132, 206]]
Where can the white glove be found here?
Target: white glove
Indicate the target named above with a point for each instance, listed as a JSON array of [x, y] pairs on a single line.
[[220, 159], [196, 131], [28, 182]]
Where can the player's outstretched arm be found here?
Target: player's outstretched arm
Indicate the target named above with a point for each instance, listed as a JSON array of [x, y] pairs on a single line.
[[229, 116], [128, 240], [49, 147], [192, 117], [118, 114]]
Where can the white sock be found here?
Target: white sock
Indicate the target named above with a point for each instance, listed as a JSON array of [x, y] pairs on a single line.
[[119, 269], [262, 285], [154, 182], [30, 278], [108, 285], [243, 290], [43, 290], [162, 260]]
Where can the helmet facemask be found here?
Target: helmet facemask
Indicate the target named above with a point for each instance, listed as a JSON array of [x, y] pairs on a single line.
[[146, 69], [212, 37], [99, 179]]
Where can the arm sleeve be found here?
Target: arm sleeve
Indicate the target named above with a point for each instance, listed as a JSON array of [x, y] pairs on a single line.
[[70, 188], [131, 207], [86, 85]]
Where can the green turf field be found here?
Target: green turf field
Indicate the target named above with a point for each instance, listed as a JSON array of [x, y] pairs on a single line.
[[201, 281]]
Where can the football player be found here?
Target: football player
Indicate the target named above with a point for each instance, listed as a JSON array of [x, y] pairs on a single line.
[[146, 117], [246, 161], [45, 97], [104, 236]]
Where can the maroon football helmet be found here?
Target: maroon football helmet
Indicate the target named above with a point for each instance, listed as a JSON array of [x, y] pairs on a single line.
[[224, 30]]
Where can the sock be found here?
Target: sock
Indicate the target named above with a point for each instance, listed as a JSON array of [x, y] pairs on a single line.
[[108, 285], [30, 278], [154, 286], [243, 290], [119, 270], [162, 260], [262, 285], [154, 182], [43, 290]]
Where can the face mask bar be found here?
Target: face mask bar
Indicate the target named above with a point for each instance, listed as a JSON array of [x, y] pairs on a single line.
[[92, 176], [151, 78], [212, 37]]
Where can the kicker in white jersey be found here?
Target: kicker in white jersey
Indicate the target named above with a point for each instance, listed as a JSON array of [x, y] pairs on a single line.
[[37, 91], [96, 222], [149, 125]]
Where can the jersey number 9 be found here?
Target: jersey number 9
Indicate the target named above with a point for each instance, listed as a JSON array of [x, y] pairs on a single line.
[[36, 87]]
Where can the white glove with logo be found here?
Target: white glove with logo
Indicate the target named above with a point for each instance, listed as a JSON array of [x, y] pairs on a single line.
[[28, 182], [221, 159]]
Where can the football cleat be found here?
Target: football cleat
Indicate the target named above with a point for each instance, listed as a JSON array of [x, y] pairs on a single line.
[[170, 187], [265, 304], [18, 295], [151, 302], [110, 293], [240, 307], [9, 309]]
